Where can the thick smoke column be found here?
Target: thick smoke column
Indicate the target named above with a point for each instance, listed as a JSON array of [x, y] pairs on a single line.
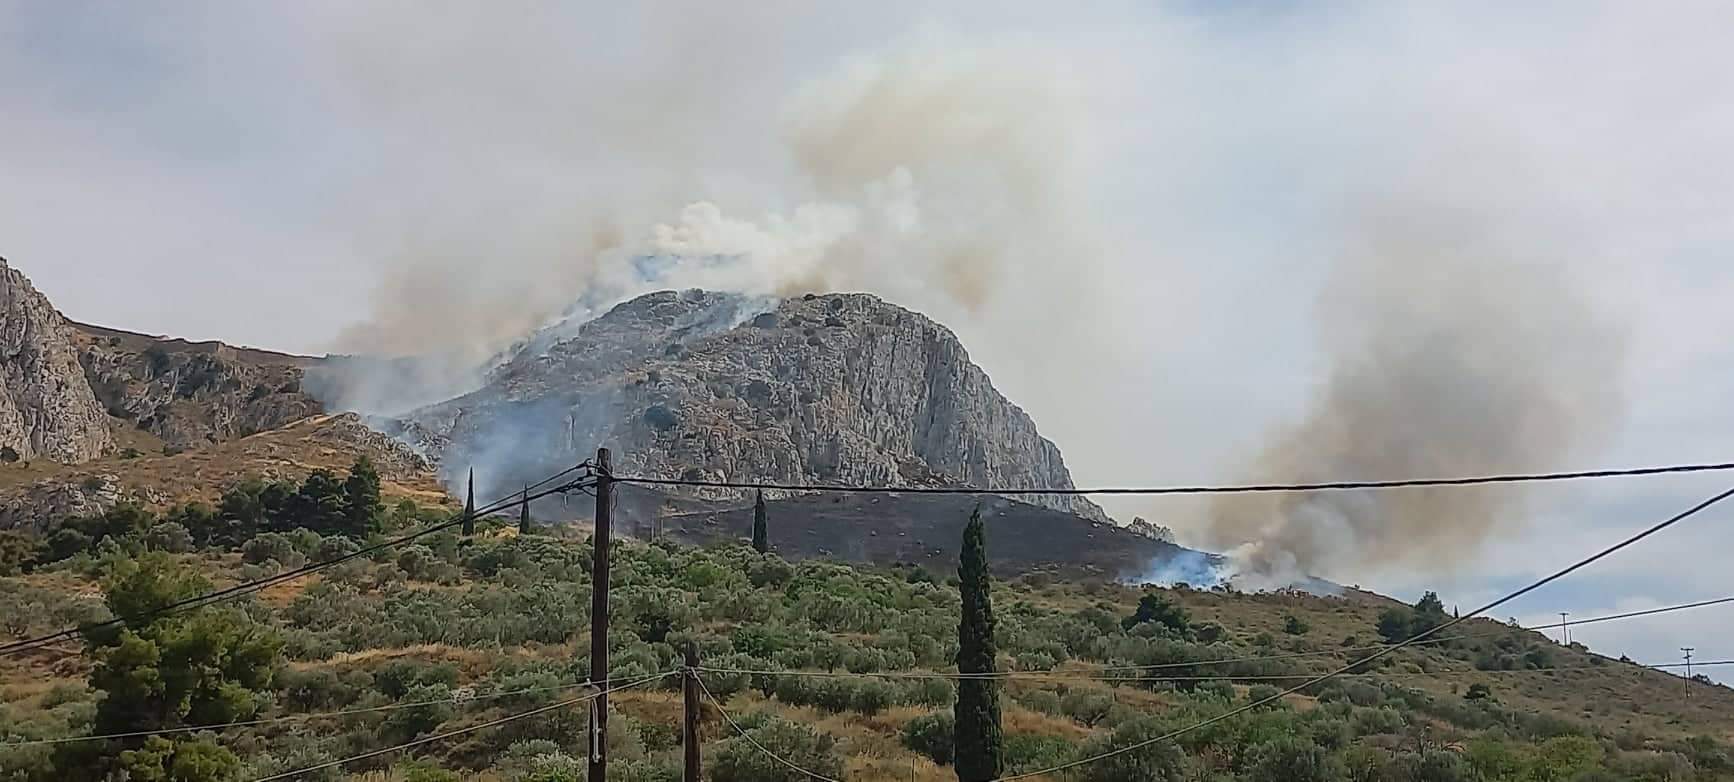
[[1453, 352]]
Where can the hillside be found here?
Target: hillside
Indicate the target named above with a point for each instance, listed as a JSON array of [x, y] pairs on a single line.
[[841, 388], [191, 394], [39, 495], [918, 529], [450, 636]]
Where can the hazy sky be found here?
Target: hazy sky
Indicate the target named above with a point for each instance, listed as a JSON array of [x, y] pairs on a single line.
[[1130, 214]]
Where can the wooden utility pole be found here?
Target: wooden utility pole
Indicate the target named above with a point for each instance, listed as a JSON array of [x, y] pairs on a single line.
[[599, 615], [690, 736], [1564, 629], [1688, 650]]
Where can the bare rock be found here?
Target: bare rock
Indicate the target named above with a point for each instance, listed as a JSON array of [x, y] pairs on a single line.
[[192, 394], [47, 409], [834, 389]]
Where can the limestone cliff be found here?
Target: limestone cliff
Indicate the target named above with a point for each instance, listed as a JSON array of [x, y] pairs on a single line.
[[47, 410], [192, 394], [841, 388]]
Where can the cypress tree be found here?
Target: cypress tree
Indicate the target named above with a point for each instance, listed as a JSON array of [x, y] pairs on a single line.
[[977, 734], [470, 505], [524, 514], [761, 534]]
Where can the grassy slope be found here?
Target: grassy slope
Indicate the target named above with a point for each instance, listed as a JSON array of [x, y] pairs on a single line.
[[1611, 696]]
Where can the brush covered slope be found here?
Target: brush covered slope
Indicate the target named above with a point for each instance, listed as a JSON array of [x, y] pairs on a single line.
[[447, 635], [841, 388]]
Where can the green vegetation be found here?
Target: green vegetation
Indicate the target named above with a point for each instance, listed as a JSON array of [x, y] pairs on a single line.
[[761, 532], [977, 742], [439, 636]]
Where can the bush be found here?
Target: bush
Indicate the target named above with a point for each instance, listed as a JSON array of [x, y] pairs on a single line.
[[1025, 752], [930, 736], [1293, 759], [272, 547], [1162, 761], [737, 760], [171, 537], [1087, 707], [1293, 625], [1156, 609]]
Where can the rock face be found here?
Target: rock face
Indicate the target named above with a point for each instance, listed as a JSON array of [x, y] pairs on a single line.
[[192, 394], [47, 410], [842, 388]]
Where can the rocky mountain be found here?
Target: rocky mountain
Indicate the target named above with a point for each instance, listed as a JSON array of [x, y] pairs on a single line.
[[47, 410], [191, 394], [840, 388]]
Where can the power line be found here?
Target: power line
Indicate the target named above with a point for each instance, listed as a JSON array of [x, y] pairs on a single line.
[[755, 742], [455, 699], [1226, 489], [461, 731], [1320, 679], [249, 587]]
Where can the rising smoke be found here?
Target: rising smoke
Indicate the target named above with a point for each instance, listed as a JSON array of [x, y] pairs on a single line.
[[1455, 348], [1126, 227], [933, 173]]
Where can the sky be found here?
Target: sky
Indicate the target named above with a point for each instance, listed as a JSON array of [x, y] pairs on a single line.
[[1138, 217]]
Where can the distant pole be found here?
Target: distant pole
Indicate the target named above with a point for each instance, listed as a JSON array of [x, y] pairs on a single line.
[[599, 614], [690, 736], [470, 506], [524, 513], [1564, 629], [1688, 651]]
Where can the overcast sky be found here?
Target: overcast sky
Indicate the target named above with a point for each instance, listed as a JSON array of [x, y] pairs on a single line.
[[1131, 215]]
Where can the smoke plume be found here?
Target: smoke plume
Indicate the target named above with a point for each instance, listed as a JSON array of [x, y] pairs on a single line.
[[931, 172], [1455, 349]]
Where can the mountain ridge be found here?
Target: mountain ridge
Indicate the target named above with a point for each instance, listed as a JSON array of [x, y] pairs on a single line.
[[833, 388]]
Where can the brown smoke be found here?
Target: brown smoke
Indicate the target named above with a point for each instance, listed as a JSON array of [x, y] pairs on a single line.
[[1453, 351]]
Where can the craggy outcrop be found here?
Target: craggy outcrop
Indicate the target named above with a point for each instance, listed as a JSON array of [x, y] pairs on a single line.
[[833, 389], [47, 410]]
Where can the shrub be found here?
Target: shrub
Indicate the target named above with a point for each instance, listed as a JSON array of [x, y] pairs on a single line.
[[1087, 707], [272, 547], [422, 771], [737, 760], [1260, 692], [1293, 759], [1156, 609], [1293, 625], [1162, 761], [930, 736], [171, 537], [872, 696], [1024, 752]]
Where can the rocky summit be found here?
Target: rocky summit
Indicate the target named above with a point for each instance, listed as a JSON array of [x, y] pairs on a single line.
[[831, 389], [47, 409]]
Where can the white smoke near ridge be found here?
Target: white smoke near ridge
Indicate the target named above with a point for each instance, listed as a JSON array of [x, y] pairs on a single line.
[[941, 176], [994, 212]]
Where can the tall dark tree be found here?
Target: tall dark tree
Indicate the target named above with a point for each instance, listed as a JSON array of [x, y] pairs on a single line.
[[362, 507], [524, 514], [470, 505], [320, 504], [761, 533], [978, 735]]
